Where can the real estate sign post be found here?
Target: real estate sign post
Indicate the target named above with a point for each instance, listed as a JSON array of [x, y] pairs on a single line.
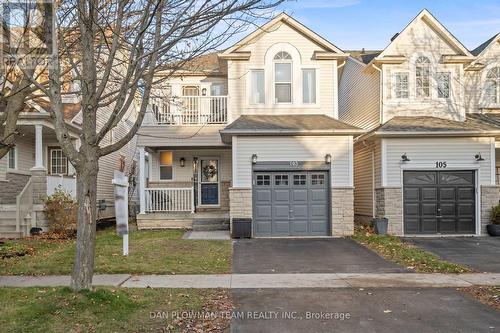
[[121, 207]]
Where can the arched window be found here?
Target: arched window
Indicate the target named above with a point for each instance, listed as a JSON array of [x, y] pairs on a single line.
[[492, 88], [422, 76], [283, 77]]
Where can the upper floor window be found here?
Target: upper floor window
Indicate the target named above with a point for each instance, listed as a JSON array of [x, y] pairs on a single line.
[[283, 77], [443, 82], [422, 76], [309, 86], [401, 85], [492, 91], [257, 86]]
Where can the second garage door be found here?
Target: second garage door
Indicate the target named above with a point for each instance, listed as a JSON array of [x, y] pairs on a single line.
[[290, 204], [439, 202]]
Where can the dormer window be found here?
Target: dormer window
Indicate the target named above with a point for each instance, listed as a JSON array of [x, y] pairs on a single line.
[[492, 88], [283, 77], [422, 76]]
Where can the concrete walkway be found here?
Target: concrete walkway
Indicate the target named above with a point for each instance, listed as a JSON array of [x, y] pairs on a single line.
[[245, 281]]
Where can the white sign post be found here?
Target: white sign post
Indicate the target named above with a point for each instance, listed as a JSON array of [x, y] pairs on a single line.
[[121, 207]]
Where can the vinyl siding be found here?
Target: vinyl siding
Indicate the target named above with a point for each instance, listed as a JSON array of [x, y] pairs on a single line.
[[424, 152], [185, 174], [292, 149], [359, 96], [363, 179]]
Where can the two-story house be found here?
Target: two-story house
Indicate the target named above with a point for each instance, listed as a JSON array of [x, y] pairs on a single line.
[[252, 132], [425, 163]]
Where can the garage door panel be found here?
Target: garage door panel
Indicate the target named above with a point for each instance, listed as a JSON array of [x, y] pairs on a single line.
[[263, 196], [299, 227], [281, 226], [264, 212], [281, 212], [281, 196], [299, 195], [318, 227], [319, 211], [262, 227], [439, 201], [319, 195], [300, 211]]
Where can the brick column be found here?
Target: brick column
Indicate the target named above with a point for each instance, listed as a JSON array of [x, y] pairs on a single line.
[[240, 203], [342, 211], [490, 195]]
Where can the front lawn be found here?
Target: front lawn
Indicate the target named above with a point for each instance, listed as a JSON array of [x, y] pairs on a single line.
[[407, 255], [151, 252], [111, 310]]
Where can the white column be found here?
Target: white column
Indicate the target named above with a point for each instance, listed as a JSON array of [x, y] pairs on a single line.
[[38, 147], [142, 180]]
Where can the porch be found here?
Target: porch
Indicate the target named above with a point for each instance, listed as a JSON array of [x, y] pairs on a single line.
[[184, 188]]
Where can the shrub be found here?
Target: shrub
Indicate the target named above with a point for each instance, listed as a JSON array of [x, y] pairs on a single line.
[[495, 214], [61, 211]]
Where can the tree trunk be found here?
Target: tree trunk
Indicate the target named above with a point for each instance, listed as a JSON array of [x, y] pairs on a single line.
[[83, 268]]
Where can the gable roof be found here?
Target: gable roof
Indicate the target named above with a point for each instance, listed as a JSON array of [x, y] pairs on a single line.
[[287, 19], [205, 64], [427, 17], [481, 48]]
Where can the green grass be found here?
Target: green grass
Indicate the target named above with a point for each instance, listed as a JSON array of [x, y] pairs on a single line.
[[151, 252], [103, 310], [407, 255]]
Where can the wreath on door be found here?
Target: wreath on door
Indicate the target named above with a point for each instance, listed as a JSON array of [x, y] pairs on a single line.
[[209, 171]]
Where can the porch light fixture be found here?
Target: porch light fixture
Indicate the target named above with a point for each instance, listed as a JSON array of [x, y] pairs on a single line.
[[254, 158], [478, 157], [405, 158], [182, 162], [328, 159], [204, 92]]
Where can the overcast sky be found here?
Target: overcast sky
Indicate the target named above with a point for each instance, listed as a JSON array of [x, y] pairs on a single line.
[[369, 24]]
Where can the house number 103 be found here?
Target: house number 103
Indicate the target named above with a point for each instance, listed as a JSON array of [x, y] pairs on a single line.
[[440, 164]]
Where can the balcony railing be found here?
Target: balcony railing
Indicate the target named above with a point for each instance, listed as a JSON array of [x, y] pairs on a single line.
[[193, 110], [169, 199]]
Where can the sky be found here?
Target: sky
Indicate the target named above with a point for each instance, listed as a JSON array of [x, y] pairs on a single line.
[[370, 24]]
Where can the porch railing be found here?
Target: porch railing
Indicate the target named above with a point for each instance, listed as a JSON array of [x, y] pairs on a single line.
[[24, 205], [66, 183], [193, 110], [169, 200]]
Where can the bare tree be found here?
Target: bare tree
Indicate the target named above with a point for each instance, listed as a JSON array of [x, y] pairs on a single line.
[[115, 50]]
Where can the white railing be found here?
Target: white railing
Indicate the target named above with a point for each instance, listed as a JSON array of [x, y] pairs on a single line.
[[24, 204], [66, 183], [169, 200], [193, 110]]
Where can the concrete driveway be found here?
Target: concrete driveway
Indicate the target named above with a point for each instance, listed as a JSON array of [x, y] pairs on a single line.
[[307, 255], [479, 253], [369, 310]]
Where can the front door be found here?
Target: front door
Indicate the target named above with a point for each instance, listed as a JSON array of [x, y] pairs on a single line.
[[209, 182], [439, 202]]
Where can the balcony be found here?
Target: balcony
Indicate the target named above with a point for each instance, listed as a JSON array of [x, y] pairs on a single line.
[[192, 110]]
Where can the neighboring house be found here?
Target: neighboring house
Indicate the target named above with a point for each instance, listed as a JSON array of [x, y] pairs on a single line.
[[426, 163], [252, 132], [36, 166]]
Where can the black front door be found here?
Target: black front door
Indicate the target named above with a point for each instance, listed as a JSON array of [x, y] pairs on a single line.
[[439, 202], [209, 182]]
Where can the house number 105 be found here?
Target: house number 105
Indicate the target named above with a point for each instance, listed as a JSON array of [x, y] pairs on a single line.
[[440, 164]]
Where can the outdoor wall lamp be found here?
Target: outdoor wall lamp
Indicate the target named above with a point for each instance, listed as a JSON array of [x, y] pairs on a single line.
[[405, 158], [328, 159], [254, 158], [478, 157], [182, 162], [204, 92]]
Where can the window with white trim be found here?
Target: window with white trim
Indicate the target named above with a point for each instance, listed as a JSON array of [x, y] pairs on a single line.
[[401, 85], [422, 77], [13, 158], [58, 162], [257, 86], [309, 86], [492, 88], [282, 77], [166, 165], [443, 84]]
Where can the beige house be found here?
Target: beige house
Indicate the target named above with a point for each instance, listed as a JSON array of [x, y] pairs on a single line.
[[428, 160], [36, 166], [252, 133]]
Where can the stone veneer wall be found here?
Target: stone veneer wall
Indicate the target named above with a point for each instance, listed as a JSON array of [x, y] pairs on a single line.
[[240, 203], [389, 204], [490, 195], [12, 187], [342, 211]]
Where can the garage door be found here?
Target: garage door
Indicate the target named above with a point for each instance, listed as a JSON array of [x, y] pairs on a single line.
[[290, 204], [439, 202]]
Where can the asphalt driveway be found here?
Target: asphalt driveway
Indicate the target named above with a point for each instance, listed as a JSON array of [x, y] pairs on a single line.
[[368, 310], [307, 255], [479, 253]]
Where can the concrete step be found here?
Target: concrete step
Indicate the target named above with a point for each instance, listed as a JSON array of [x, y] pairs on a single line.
[[10, 234], [210, 224], [8, 227]]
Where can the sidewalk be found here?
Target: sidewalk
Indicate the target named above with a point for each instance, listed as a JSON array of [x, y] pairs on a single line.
[[248, 281]]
